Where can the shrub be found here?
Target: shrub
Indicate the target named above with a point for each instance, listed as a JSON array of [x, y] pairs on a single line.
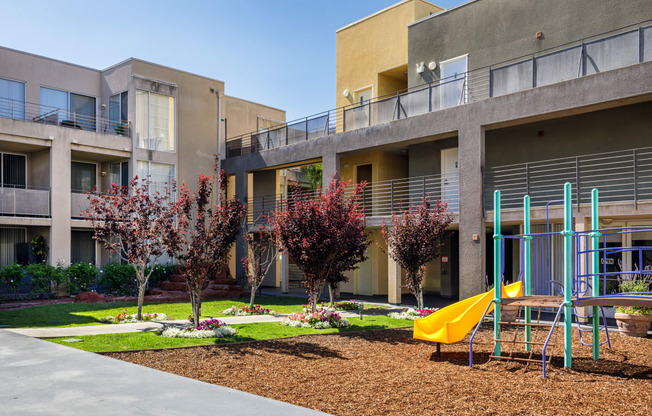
[[81, 276], [412, 313], [246, 311], [12, 276], [350, 305], [118, 279], [40, 247], [161, 273], [322, 319], [43, 276], [210, 328]]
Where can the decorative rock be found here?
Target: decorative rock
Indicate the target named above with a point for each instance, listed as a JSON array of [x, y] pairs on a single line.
[[89, 297]]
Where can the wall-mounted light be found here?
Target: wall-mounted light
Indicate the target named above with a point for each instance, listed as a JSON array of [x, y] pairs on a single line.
[[74, 141], [50, 137], [420, 67], [539, 35], [346, 93], [432, 65], [103, 107], [103, 174]]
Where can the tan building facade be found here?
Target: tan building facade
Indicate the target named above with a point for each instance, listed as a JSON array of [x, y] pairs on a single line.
[[65, 128]]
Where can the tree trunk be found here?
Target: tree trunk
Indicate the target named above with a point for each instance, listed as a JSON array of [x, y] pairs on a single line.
[[195, 296], [253, 296], [141, 299], [420, 299], [331, 293]]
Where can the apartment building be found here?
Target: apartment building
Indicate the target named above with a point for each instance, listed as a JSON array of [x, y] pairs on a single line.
[[66, 128], [517, 96]]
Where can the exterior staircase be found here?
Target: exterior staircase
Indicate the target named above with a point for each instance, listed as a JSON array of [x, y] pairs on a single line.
[[223, 287]]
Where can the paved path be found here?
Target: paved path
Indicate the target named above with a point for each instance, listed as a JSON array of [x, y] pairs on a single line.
[[77, 331], [43, 378]]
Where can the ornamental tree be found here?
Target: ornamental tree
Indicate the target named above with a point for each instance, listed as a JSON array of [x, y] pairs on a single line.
[[414, 238], [262, 253], [324, 234], [213, 229], [139, 225]]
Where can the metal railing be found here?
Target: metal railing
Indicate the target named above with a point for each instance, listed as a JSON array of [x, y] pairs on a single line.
[[25, 201], [621, 176], [378, 199], [605, 51], [38, 113]]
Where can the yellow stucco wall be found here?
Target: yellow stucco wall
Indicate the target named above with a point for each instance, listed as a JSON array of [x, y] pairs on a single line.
[[374, 45]]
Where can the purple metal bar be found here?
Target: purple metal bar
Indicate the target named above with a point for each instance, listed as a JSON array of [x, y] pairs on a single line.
[[545, 344], [475, 332]]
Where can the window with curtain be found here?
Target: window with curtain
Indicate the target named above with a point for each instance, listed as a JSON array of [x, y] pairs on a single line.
[[14, 173], [12, 99], [83, 177], [161, 174], [118, 112], [82, 247], [9, 237], [119, 173], [155, 121]]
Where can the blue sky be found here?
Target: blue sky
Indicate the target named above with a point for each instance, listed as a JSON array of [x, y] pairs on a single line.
[[277, 52]]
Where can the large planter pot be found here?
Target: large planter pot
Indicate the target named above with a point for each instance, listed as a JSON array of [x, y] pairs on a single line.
[[633, 325], [509, 313]]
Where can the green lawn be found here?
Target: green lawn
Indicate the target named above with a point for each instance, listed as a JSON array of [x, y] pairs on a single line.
[[80, 314], [246, 332]]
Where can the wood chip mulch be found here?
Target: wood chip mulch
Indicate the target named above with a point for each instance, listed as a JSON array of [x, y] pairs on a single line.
[[386, 372]]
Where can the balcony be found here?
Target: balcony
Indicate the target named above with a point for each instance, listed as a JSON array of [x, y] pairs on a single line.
[[78, 203], [25, 202], [599, 53], [37, 113], [378, 199], [621, 176]]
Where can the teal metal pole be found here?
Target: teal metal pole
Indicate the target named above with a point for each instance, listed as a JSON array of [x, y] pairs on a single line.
[[498, 286], [527, 283], [595, 269], [568, 273]]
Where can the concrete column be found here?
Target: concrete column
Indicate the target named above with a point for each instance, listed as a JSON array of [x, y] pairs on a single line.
[[285, 272], [330, 166], [60, 173], [241, 185], [393, 281], [471, 142]]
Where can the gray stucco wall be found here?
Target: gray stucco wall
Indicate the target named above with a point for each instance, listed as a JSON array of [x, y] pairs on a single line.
[[492, 31], [601, 131]]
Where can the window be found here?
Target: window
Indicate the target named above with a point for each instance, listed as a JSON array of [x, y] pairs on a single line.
[[82, 247], [119, 173], [12, 99], [155, 121], [14, 171], [83, 177], [67, 109], [118, 112], [9, 237], [161, 175]]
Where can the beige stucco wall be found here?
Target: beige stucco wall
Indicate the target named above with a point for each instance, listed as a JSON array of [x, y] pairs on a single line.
[[244, 116]]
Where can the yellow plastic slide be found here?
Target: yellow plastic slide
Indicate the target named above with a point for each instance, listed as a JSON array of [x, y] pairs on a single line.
[[452, 323]]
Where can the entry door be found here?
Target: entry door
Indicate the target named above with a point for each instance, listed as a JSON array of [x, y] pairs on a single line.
[[449, 178], [453, 79]]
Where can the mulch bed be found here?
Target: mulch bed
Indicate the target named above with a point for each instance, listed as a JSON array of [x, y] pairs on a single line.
[[386, 372]]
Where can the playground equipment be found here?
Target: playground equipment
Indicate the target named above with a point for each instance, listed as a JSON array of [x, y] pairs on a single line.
[[451, 324], [580, 287]]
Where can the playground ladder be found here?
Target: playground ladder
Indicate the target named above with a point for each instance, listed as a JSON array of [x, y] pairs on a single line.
[[547, 347]]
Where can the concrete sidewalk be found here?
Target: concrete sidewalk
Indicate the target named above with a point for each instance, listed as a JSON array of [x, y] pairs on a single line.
[[43, 378], [77, 331]]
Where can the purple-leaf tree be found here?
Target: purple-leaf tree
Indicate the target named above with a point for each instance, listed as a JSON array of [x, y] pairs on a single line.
[[262, 253], [213, 229], [324, 234], [139, 225], [414, 238]]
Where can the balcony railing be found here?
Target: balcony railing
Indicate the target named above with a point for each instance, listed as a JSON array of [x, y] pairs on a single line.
[[621, 176], [602, 52], [78, 203], [378, 199], [26, 201], [37, 113]]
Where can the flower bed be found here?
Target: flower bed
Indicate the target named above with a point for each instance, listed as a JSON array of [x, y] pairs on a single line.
[[412, 313], [322, 319], [246, 311], [210, 328], [350, 305], [124, 318]]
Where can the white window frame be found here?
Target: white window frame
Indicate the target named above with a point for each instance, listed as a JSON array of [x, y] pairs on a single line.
[[68, 92], [443, 80], [174, 132]]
